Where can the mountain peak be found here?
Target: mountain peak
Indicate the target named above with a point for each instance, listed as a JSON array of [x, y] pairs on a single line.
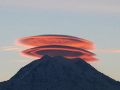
[[59, 73]]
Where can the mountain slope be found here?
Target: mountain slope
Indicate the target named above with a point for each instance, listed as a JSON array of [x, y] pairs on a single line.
[[59, 73]]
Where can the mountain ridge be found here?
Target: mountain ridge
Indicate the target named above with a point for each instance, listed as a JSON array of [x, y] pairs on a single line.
[[59, 73]]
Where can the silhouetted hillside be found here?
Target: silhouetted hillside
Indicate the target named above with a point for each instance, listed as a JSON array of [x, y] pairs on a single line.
[[59, 73]]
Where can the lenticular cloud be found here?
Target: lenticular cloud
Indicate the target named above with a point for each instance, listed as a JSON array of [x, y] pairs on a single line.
[[57, 45]]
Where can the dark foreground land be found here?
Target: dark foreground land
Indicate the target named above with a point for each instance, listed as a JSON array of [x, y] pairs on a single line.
[[59, 73]]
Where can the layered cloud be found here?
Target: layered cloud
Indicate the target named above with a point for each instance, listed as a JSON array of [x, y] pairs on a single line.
[[104, 6]]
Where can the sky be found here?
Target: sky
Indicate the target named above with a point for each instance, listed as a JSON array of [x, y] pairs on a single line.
[[95, 20]]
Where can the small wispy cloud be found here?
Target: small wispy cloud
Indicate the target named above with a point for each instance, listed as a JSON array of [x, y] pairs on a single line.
[[10, 48], [104, 6], [107, 51]]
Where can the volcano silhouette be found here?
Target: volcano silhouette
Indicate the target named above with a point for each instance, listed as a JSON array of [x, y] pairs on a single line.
[[59, 73]]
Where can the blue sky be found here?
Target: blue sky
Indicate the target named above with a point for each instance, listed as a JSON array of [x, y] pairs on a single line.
[[96, 20]]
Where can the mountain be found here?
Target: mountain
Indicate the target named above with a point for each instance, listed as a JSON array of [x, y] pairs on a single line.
[[59, 73]]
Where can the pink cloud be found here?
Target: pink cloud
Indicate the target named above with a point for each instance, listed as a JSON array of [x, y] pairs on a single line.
[[107, 51], [10, 48]]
